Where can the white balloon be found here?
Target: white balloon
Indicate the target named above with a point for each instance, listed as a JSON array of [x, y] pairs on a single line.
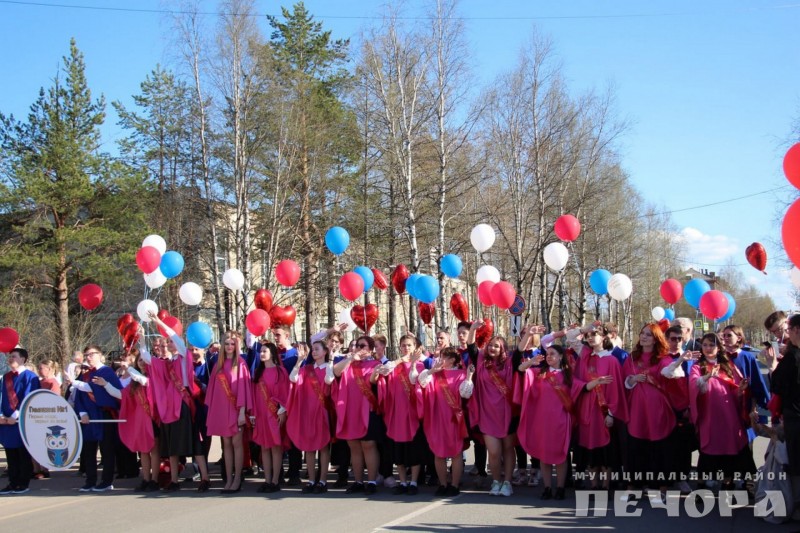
[[482, 237], [487, 273], [144, 308], [556, 256], [657, 313], [345, 318], [191, 293], [620, 287], [795, 275], [155, 279], [233, 279], [157, 242]]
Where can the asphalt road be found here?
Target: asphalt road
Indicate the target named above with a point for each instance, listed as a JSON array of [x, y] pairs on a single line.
[[56, 505]]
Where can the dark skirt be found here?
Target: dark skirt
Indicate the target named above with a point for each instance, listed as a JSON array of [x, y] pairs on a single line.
[[731, 466], [376, 430], [180, 437], [413, 453]]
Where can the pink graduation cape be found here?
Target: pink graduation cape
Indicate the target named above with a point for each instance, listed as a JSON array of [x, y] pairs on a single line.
[[352, 405], [715, 413], [166, 379], [651, 415], [269, 394], [592, 406], [308, 419], [227, 392], [490, 408], [444, 426], [401, 403], [545, 425], [138, 409]]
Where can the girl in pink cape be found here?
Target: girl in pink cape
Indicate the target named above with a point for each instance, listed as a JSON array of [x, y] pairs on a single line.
[[549, 396], [715, 396], [139, 433], [401, 403], [600, 408], [229, 397], [652, 418], [358, 420], [270, 396], [491, 407], [443, 419], [310, 414]]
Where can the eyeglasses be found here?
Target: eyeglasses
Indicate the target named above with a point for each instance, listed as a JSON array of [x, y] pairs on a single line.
[[777, 329], [593, 333], [728, 335], [88, 354]]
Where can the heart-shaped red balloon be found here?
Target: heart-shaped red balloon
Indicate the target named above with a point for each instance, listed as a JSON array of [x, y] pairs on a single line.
[[380, 279], [162, 314], [123, 322], [173, 323], [130, 334], [364, 316], [426, 312], [399, 277], [484, 333], [459, 307], [282, 316], [757, 256], [263, 300]]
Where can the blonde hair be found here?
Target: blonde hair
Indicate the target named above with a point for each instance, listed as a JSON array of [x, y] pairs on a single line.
[[237, 350]]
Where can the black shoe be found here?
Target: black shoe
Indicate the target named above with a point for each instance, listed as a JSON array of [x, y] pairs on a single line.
[[320, 488], [355, 487], [441, 492], [152, 486], [204, 485], [559, 494], [293, 481], [308, 489], [9, 489], [413, 490], [370, 488], [547, 494], [452, 490], [341, 482], [264, 488], [86, 488], [142, 487], [400, 489], [20, 490], [172, 487]]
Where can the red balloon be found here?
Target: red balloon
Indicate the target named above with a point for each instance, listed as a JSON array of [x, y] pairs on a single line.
[[459, 307], [90, 296], [713, 304], [485, 292], [663, 325], [791, 165], [503, 294], [263, 300], [756, 256], [484, 333], [123, 322], [162, 315], [130, 335], [671, 290], [364, 316], [399, 277], [380, 279], [9, 338], [351, 285], [173, 323], [287, 272], [257, 322], [791, 233], [283, 316], [426, 312], [148, 259], [567, 228]]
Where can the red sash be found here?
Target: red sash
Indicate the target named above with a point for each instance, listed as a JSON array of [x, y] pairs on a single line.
[[364, 386], [141, 399], [455, 404], [401, 374], [13, 400], [226, 387], [500, 383], [324, 400], [746, 396], [561, 392], [272, 405], [591, 370], [186, 397]]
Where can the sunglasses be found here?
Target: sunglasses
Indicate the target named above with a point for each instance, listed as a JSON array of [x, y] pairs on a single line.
[[362, 345], [676, 339]]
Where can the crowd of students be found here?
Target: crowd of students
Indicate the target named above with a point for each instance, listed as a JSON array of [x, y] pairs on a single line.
[[573, 401]]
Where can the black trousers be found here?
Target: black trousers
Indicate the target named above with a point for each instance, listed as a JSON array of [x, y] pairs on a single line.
[[108, 450], [295, 461], [20, 467]]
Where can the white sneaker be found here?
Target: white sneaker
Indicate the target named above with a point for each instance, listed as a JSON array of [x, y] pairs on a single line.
[[519, 477], [506, 489], [390, 482], [533, 479], [495, 491], [684, 487]]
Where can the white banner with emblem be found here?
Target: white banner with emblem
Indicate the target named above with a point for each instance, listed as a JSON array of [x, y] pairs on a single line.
[[50, 430]]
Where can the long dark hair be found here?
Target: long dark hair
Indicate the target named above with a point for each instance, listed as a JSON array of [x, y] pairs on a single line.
[[566, 369], [452, 353], [274, 357], [722, 358], [310, 357]]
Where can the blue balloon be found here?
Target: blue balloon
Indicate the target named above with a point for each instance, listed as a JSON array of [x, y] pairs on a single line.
[[451, 265], [598, 280], [171, 264], [411, 284], [731, 308], [337, 240], [427, 289], [694, 290], [669, 314], [199, 334], [367, 275]]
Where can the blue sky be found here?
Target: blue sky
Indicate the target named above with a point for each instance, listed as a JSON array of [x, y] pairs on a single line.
[[710, 88]]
